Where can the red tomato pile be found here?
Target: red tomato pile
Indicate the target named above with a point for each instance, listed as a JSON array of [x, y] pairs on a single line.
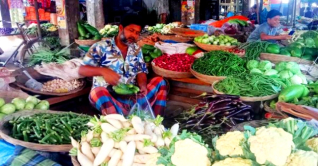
[[175, 62]]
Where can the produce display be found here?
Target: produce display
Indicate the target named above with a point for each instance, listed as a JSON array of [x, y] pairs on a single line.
[[114, 140], [46, 29], [222, 40], [213, 114], [44, 128], [219, 63], [109, 30], [45, 55], [87, 32], [250, 85], [254, 49], [150, 52], [18, 104], [126, 89], [164, 29], [61, 86], [236, 51], [53, 42], [175, 62]]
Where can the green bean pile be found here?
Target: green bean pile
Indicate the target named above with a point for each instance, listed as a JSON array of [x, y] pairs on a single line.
[[254, 49], [219, 63], [46, 128], [250, 85]]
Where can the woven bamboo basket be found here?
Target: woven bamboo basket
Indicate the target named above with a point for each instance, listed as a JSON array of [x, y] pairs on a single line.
[[176, 38], [186, 32], [5, 133], [209, 47], [276, 58], [206, 78], [247, 99], [86, 42], [169, 74]]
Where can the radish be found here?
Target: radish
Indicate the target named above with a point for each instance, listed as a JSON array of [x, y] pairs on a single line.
[[137, 164], [123, 146], [138, 125], [129, 154], [115, 158], [116, 117], [104, 137], [160, 142], [120, 163], [83, 160], [115, 123], [131, 132], [154, 138], [167, 141], [138, 137], [142, 159], [148, 129], [150, 149], [75, 143], [108, 128], [174, 129], [126, 124], [112, 152], [158, 131], [104, 152], [89, 136], [95, 150], [116, 145], [86, 149]]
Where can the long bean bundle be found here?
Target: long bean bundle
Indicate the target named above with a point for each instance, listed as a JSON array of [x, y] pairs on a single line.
[[254, 49], [250, 85], [219, 63]]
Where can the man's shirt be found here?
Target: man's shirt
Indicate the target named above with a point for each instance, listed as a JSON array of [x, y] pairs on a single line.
[[264, 28], [107, 54]]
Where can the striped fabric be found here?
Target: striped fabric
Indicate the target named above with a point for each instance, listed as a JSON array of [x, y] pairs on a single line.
[[107, 104], [27, 157]]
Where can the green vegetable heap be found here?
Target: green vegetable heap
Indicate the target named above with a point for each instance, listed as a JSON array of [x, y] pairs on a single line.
[[126, 89], [47, 56], [150, 52], [222, 40], [109, 31], [47, 128], [254, 49], [219, 63], [87, 31]]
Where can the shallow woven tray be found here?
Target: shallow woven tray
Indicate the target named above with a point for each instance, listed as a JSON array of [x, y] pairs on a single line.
[[5, 133], [23, 87], [176, 38], [276, 58], [209, 47], [206, 78], [248, 99], [168, 73], [86, 42], [181, 32]]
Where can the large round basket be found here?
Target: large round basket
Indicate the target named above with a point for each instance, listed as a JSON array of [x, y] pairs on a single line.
[[177, 38], [168, 73], [247, 99], [206, 78], [276, 58], [209, 47], [86, 42], [5, 133], [186, 32]]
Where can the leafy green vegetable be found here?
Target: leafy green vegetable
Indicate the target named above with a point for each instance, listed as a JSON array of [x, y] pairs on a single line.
[[281, 66], [96, 142], [271, 72], [147, 142], [73, 152], [167, 134], [265, 65], [252, 64], [45, 55], [254, 49], [285, 74], [119, 135], [256, 71]]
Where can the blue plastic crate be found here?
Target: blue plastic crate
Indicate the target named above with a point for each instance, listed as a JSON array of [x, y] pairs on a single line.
[[201, 27]]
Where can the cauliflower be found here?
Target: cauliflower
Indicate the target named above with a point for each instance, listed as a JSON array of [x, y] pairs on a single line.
[[153, 160], [229, 144], [302, 158], [189, 153], [271, 144], [234, 162], [313, 144]]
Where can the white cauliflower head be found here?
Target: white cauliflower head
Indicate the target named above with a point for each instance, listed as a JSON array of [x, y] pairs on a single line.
[[271, 144], [229, 144], [313, 144], [233, 162], [300, 157]]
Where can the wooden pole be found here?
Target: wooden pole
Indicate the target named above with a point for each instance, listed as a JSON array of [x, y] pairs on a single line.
[[5, 13], [37, 18], [72, 13]]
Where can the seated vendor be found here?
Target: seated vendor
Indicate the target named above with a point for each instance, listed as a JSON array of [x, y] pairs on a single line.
[[120, 60], [270, 30]]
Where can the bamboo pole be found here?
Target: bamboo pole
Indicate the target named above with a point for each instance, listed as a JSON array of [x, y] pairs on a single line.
[[37, 18]]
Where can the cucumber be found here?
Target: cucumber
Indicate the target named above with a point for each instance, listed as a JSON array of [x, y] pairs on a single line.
[[123, 91], [291, 93]]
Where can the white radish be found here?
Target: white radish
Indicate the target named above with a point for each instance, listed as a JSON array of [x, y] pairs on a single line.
[[138, 137], [174, 129], [158, 131], [123, 146], [95, 150], [115, 123], [89, 136], [137, 164], [120, 163], [148, 129], [86, 149], [104, 137], [154, 138], [116, 145], [138, 125], [83, 160], [162, 127], [150, 149], [90, 124], [112, 152], [115, 158], [160, 142], [167, 141], [106, 159], [108, 128], [139, 145], [152, 125], [142, 159], [104, 151], [74, 143], [126, 124], [116, 117], [129, 154], [131, 132]]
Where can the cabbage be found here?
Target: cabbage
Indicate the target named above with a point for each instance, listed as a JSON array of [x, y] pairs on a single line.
[[265, 65], [252, 64], [7, 108], [2, 102], [285, 74], [271, 72], [293, 67], [256, 71], [303, 78], [43, 105], [29, 106], [281, 66], [18, 103], [2, 115], [33, 100], [296, 80]]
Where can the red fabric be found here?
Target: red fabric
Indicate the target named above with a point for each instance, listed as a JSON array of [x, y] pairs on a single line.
[[218, 24]]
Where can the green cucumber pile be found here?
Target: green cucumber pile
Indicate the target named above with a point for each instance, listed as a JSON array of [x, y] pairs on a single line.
[[54, 129], [87, 32], [150, 52], [126, 89]]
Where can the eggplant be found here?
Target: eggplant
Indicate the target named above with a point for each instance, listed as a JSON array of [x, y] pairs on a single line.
[[237, 112]]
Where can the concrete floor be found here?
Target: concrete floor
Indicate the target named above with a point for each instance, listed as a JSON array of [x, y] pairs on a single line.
[[8, 44]]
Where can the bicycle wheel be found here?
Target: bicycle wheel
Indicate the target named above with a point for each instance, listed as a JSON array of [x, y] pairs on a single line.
[[30, 48]]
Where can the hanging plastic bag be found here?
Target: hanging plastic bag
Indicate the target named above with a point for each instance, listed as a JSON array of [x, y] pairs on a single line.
[[142, 109]]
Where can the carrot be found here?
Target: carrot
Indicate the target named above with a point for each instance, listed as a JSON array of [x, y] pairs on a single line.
[[129, 154]]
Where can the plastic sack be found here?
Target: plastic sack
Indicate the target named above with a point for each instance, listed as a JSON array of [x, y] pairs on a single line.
[[142, 109], [229, 28], [7, 150]]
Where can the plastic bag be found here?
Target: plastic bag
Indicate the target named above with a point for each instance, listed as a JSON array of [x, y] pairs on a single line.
[[7, 150], [142, 109]]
